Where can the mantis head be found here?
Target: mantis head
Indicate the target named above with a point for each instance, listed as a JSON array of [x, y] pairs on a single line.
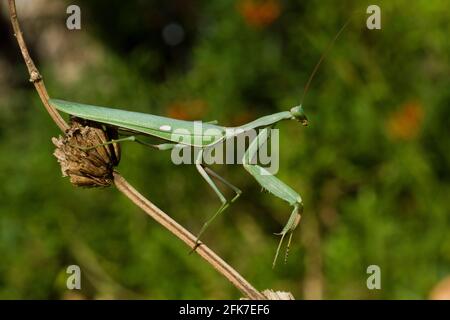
[[299, 115]]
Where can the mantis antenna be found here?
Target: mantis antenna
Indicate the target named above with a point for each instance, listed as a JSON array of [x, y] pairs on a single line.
[[327, 50]]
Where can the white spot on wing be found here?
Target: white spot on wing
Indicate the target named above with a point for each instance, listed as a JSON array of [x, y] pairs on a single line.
[[165, 128]]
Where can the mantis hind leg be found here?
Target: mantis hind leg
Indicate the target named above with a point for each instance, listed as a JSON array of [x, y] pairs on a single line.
[[205, 173], [274, 186], [225, 182]]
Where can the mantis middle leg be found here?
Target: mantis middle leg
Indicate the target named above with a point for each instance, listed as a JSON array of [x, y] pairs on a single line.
[[205, 173]]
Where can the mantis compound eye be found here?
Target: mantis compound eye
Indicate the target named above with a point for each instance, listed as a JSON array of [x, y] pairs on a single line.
[[299, 115]]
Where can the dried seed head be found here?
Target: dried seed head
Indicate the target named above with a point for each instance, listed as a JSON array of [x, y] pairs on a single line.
[[277, 295], [87, 167], [270, 294]]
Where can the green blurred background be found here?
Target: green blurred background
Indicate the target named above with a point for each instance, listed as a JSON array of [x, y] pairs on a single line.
[[372, 167]]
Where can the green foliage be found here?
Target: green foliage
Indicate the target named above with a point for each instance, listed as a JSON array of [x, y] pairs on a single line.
[[372, 167]]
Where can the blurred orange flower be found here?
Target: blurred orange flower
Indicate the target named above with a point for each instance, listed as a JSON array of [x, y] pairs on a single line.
[[405, 123], [187, 110], [259, 13]]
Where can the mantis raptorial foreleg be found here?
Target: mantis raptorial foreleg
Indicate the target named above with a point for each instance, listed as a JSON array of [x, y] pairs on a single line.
[[205, 172], [274, 186]]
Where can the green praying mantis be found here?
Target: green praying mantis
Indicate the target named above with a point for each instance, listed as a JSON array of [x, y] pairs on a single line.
[[209, 135]]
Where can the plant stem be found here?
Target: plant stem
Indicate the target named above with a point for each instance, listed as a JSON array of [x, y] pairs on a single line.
[[180, 232], [128, 190], [35, 76]]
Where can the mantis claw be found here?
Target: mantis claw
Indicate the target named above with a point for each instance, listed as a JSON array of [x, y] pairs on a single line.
[[290, 226], [278, 249], [198, 243], [282, 234]]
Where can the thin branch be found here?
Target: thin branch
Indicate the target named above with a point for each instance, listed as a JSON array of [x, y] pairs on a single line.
[[180, 232], [35, 76], [128, 190]]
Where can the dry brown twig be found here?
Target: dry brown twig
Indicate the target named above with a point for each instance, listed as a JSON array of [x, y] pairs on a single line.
[[126, 188]]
